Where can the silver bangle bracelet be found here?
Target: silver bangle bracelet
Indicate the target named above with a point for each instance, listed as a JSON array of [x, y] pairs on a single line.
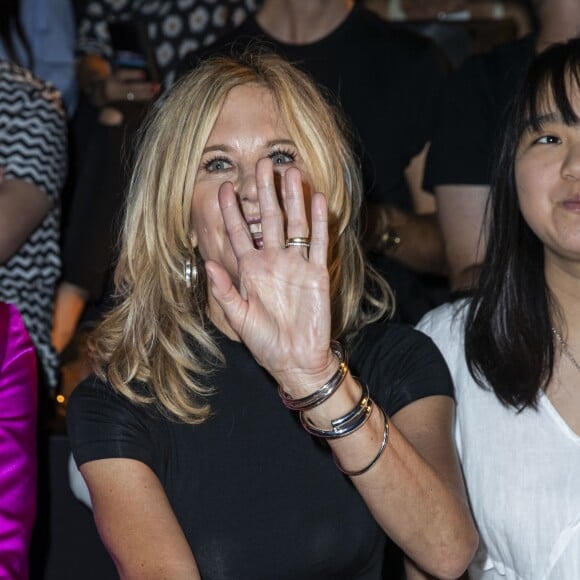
[[324, 392], [375, 458], [346, 424]]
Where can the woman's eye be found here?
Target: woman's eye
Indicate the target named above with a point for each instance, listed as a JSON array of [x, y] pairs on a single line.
[[282, 157], [217, 164], [548, 140]]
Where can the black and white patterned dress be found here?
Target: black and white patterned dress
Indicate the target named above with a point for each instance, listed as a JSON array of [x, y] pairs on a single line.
[[174, 27], [33, 145]]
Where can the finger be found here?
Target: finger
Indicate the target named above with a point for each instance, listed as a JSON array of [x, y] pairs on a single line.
[[297, 221], [227, 296], [236, 226], [319, 239], [270, 212]]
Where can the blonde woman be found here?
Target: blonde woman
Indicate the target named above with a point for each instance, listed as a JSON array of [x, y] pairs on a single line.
[[217, 375]]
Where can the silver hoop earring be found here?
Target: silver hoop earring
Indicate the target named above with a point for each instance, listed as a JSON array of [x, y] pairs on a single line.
[[190, 273]]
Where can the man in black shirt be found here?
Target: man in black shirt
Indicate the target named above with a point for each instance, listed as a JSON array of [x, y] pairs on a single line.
[[385, 80]]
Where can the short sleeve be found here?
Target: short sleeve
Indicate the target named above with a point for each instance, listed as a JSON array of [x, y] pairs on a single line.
[[102, 425], [470, 114], [401, 365], [428, 72], [464, 133], [33, 139]]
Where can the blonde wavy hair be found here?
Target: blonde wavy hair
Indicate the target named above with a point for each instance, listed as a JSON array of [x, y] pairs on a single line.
[[156, 346]]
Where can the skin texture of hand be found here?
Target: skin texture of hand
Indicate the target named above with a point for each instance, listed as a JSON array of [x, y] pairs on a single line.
[[281, 308]]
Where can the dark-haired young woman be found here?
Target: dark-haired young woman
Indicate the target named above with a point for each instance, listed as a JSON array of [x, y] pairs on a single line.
[[514, 349]]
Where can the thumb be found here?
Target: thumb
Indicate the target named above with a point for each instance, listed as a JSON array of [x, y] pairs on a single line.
[[226, 294]]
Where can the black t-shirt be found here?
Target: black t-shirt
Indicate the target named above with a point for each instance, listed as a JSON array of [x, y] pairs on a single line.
[[469, 122], [385, 80], [257, 496]]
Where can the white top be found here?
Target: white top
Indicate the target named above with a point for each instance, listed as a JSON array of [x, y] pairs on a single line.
[[522, 472]]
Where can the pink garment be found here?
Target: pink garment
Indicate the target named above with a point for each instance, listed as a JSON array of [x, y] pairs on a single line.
[[17, 443]]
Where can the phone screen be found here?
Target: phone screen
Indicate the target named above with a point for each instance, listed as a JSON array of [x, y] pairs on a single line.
[[132, 48]]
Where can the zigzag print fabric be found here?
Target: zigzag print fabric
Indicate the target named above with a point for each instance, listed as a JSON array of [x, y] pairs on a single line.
[[33, 149]]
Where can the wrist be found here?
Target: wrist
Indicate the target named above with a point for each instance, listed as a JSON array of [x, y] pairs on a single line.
[[321, 394], [299, 384], [383, 237], [346, 399]]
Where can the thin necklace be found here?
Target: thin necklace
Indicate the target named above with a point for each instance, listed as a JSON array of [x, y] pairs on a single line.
[[566, 350]]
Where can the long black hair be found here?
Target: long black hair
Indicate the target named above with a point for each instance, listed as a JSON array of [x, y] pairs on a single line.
[[11, 30], [509, 342]]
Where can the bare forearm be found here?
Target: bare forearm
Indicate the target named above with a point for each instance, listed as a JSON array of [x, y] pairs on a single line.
[[423, 512], [461, 213], [419, 511], [136, 522], [23, 206]]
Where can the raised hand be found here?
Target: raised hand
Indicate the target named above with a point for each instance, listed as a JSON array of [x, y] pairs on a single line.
[[281, 309]]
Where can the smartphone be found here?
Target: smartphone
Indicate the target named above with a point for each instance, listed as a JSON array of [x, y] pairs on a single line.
[[132, 49]]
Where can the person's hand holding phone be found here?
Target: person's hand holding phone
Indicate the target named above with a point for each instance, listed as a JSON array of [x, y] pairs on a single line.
[[128, 84]]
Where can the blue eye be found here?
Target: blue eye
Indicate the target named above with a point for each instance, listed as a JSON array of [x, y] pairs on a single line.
[[217, 164], [280, 157]]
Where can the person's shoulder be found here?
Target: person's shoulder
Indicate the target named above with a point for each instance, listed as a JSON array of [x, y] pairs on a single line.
[[519, 50], [89, 390], [383, 340], [445, 326], [95, 402], [248, 36], [412, 57], [393, 35], [20, 87], [448, 317], [94, 394], [400, 364], [501, 62], [102, 423]]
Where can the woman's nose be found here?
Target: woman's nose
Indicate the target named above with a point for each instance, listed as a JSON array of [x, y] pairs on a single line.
[[247, 189], [571, 167]]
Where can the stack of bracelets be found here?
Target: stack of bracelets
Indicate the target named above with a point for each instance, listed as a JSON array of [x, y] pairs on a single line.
[[345, 425]]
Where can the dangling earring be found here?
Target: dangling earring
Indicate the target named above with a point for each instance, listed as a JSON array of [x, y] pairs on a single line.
[[190, 273]]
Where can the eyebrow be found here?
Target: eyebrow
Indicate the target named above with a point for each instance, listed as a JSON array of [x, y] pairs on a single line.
[[541, 120], [229, 149], [534, 122]]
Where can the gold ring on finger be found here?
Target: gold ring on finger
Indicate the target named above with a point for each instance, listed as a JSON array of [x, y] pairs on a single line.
[[300, 242]]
